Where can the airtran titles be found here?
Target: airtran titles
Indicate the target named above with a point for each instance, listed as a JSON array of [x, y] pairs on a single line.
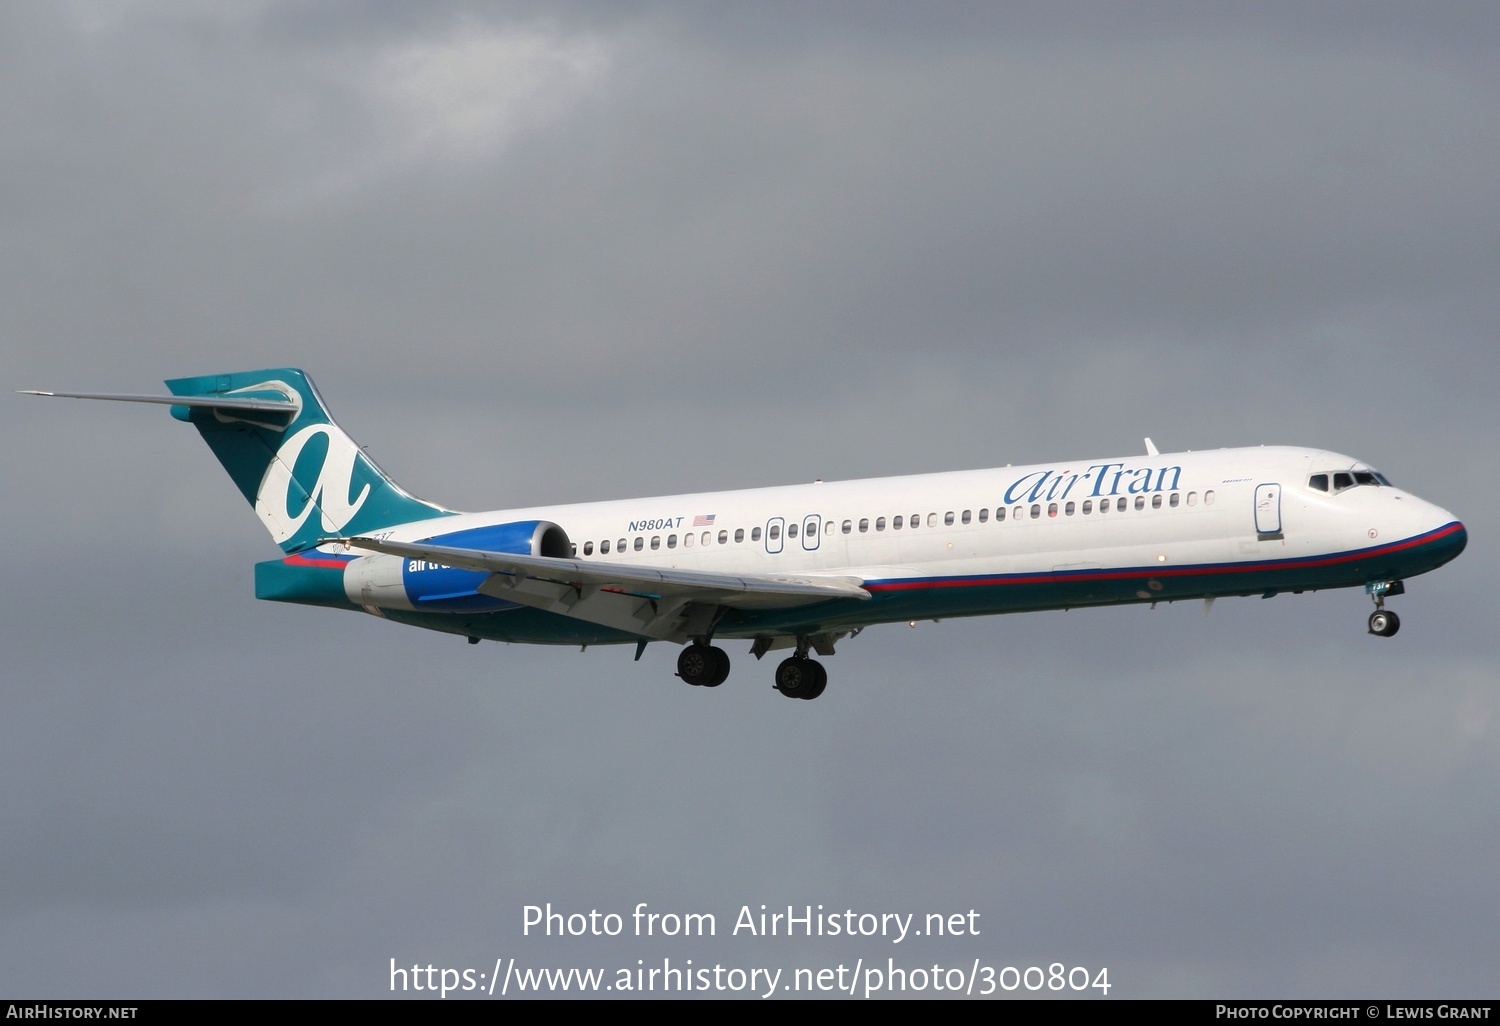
[[1107, 478]]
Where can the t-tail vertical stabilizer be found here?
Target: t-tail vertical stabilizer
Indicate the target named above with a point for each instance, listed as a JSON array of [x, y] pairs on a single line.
[[306, 478]]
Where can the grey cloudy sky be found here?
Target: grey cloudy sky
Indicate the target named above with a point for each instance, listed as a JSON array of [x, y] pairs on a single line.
[[557, 252]]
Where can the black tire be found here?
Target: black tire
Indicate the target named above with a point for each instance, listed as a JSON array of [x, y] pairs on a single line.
[[720, 668], [795, 677], [819, 680], [695, 664], [1384, 623]]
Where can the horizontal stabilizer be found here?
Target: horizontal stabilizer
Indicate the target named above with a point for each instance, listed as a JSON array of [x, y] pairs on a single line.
[[211, 402]]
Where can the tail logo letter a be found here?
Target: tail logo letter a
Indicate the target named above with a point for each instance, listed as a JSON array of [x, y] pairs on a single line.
[[329, 492]]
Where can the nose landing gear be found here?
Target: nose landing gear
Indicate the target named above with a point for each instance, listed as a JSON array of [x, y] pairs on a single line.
[[1383, 623]]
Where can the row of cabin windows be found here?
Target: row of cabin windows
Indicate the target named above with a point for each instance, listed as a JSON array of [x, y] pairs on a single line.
[[1053, 509], [707, 538]]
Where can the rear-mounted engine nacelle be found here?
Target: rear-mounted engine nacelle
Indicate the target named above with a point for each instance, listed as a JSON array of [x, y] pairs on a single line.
[[391, 582]]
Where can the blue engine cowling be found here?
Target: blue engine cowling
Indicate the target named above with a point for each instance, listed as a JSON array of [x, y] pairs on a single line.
[[394, 583]]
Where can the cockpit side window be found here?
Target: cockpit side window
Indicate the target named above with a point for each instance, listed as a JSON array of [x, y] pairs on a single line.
[[1318, 482], [1342, 481]]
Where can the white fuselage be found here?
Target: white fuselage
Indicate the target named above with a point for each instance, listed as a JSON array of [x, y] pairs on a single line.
[[1176, 525]]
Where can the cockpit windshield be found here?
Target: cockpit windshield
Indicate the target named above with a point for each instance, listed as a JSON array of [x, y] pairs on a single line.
[[1342, 479]]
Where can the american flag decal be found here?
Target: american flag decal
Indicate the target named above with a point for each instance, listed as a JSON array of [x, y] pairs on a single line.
[[704, 521]]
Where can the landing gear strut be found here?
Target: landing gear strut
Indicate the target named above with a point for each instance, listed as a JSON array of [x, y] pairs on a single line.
[[1383, 622], [703, 665], [801, 677]]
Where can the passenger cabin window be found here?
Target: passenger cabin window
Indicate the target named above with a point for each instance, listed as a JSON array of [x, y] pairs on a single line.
[[864, 525], [754, 534], [984, 515], [880, 523], [724, 538], [896, 523], [588, 548], [671, 541], [640, 543], [739, 534], [999, 513], [604, 547], [791, 531], [775, 531]]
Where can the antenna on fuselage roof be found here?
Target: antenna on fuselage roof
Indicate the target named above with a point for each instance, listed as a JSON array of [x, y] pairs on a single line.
[[1151, 448]]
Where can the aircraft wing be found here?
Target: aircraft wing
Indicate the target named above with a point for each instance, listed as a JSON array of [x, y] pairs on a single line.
[[654, 602]]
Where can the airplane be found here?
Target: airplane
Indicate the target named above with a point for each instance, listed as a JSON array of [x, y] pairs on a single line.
[[800, 567]]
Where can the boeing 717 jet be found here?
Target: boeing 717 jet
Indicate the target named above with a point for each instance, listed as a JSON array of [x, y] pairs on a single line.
[[801, 567]]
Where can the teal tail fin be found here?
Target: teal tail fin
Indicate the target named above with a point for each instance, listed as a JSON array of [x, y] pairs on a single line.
[[306, 478]]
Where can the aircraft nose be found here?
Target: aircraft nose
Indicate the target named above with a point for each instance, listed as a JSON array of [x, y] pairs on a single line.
[[1460, 538], [1448, 537]]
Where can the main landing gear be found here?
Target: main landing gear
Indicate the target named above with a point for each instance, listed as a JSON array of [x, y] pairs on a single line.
[[703, 665], [1383, 622], [801, 677]]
